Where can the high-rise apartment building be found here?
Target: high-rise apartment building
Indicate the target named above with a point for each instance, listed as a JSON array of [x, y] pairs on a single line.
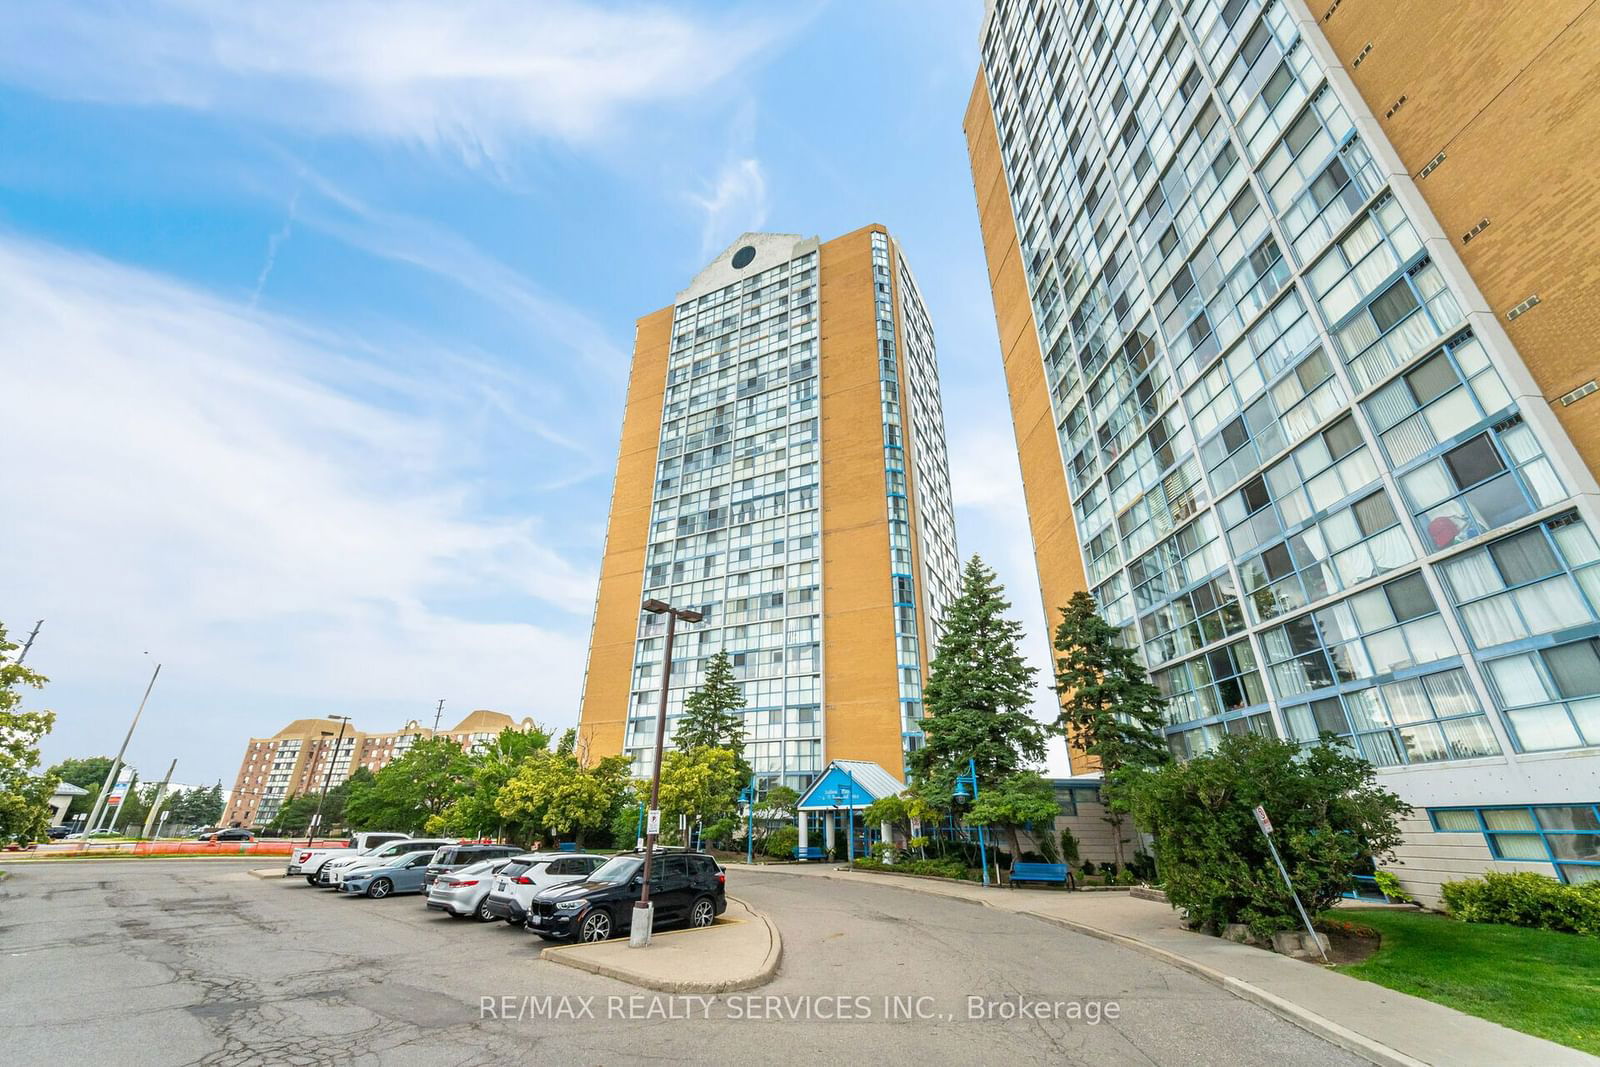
[[782, 470], [1301, 391], [296, 759]]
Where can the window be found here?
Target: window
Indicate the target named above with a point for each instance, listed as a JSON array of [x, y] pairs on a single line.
[[1413, 720], [1469, 490], [1551, 696], [1564, 835], [1392, 627], [1538, 581]]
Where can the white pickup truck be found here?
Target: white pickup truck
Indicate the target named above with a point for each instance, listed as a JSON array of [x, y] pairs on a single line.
[[308, 861]]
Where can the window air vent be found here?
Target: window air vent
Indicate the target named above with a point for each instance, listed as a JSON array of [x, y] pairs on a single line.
[[1328, 14], [1522, 308], [1483, 224], [1363, 55], [1433, 165], [1396, 106], [1580, 392], [1505, 424]]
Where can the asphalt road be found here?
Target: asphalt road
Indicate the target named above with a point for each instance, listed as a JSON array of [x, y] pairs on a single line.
[[175, 962]]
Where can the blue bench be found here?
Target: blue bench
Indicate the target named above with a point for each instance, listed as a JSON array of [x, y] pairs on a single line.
[[1050, 873], [567, 846], [812, 853]]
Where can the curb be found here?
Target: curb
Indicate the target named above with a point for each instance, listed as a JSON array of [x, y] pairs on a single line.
[[266, 872], [1308, 1020], [761, 976]]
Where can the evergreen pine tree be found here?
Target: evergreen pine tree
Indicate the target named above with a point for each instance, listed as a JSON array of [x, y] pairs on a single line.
[[979, 690], [1109, 707], [713, 713]]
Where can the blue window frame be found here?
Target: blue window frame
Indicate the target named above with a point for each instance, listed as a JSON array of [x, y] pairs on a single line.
[[1567, 836]]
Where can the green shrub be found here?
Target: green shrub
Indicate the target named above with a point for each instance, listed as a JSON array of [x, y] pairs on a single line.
[[781, 843], [1390, 887], [1126, 877], [1048, 852], [1069, 848], [1329, 816], [1525, 899], [937, 868]]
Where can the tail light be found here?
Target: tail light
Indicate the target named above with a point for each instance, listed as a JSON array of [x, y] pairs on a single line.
[[722, 878], [459, 885], [304, 856], [523, 879]]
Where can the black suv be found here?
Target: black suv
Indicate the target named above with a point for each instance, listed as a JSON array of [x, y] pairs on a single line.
[[454, 857], [685, 887]]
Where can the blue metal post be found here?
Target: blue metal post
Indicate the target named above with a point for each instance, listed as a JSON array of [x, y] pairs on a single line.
[[638, 831], [983, 852], [852, 808], [750, 827]]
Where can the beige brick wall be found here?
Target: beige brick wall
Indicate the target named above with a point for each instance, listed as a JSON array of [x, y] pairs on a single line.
[[1044, 482], [608, 680], [1510, 93], [860, 685], [1427, 859]]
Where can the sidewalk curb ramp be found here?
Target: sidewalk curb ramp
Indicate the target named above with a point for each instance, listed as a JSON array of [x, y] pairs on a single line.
[[605, 958]]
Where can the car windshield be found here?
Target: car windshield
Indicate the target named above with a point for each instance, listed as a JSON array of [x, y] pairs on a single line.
[[617, 869]]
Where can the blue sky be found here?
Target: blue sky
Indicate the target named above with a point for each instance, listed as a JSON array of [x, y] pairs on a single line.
[[317, 321]]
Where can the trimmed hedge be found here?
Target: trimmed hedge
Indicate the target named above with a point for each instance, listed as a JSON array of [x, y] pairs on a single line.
[[937, 868], [1525, 899]]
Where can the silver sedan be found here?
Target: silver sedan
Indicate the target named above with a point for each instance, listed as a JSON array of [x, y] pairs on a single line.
[[461, 893]]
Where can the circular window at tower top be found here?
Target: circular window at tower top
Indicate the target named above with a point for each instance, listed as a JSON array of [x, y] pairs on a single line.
[[742, 258]]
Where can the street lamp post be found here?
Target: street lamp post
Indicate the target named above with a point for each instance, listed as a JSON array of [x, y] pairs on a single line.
[[960, 793], [327, 778], [748, 795], [643, 910]]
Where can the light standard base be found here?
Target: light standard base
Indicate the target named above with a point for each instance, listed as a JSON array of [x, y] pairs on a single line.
[[639, 931]]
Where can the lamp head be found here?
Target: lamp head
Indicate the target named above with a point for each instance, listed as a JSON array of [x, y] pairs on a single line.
[[690, 615], [960, 792], [656, 607]]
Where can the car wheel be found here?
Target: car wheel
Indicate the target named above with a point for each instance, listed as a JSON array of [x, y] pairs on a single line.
[[380, 889], [483, 913], [596, 926], [704, 912], [311, 879]]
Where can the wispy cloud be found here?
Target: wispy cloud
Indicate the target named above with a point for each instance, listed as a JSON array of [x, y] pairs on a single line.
[[735, 199], [468, 74], [300, 521]]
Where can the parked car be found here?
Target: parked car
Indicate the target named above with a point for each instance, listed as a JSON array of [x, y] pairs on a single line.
[[91, 834], [233, 833], [462, 892], [59, 832], [518, 881], [328, 877], [685, 887], [398, 874], [455, 857], [308, 861]]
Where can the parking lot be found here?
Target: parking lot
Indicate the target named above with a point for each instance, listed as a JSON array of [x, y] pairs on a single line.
[[179, 962]]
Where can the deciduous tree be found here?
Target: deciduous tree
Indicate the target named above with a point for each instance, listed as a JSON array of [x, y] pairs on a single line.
[[24, 794], [421, 783], [1024, 797]]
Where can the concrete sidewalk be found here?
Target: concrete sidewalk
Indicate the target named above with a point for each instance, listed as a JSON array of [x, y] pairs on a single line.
[[1380, 1024], [740, 952]]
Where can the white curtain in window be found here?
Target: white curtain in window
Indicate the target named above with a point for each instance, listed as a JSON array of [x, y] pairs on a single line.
[[1408, 701], [1587, 712], [1470, 738], [1543, 481], [1451, 693], [1577, 544], [1518, 680], [1493, 621], [1472, 576], [1552, 605], [1409, 440], [1427, 485], [1542, 729], [1520, 847]]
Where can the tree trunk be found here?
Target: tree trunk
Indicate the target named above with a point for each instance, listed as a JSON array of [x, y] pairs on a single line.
[[1016, 844]]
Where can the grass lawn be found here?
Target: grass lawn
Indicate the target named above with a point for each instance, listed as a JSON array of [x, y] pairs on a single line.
[[1537, 981]]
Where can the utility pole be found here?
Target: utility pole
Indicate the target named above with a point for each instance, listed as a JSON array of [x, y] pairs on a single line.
[[29, 642], [437, 714], [161, 796], [116, 764]]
